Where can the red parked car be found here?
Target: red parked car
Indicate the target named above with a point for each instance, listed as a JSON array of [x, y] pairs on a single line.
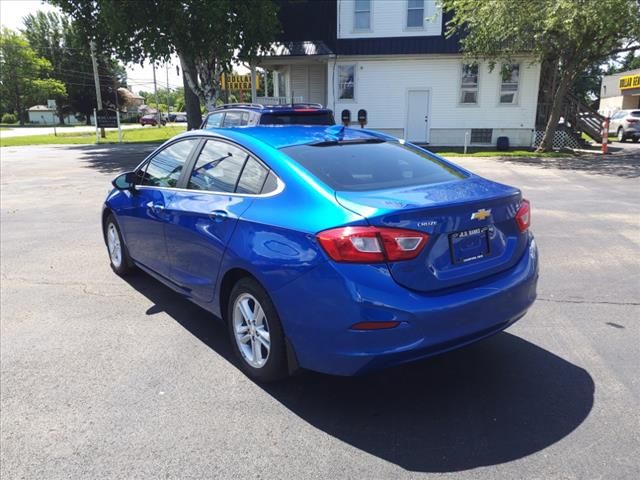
[[152, 119]]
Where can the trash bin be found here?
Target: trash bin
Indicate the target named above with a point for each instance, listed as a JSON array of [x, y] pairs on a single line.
[[502, 145]]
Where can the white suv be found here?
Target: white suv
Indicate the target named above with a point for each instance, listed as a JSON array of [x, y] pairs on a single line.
[[625, 124]]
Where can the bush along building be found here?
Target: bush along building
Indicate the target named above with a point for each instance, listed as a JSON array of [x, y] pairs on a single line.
[[392, 60]]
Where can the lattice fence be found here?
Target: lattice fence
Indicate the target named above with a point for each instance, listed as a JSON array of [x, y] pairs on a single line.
[[561, 139]]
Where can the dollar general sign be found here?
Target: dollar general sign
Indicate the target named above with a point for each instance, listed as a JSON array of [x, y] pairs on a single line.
[[238, 82], [630, 81]]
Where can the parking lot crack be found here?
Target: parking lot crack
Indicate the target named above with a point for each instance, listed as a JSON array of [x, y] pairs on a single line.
[[590, 302]]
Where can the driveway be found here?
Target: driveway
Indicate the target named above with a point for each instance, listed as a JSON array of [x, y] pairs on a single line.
[[107, 378]]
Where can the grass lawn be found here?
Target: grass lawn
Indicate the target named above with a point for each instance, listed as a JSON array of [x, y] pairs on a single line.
[[491, 152], [138, 135]]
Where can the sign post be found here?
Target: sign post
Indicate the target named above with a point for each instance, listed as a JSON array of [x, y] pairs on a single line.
[[605, 135], [52, 105], [119, 127], [95, 119]]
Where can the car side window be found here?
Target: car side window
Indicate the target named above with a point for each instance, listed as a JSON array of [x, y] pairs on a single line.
[[252, 178], [164, 168], [270, 184], [217, 168], [233, 119], [214, 120]]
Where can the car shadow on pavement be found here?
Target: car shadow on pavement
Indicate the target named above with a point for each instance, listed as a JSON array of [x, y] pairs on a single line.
[[114, 158], [493, 402]]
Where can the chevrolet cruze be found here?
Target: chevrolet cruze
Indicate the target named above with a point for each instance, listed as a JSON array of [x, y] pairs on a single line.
[[330, 249]]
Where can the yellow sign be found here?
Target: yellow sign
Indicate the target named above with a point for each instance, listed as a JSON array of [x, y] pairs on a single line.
[[630, 81], [238, 82]]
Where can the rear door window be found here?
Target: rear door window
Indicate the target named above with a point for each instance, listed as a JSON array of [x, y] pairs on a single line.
[[252, 178], [235, 119], [215, 120], [361, 166], [164, 169], [217, 168]]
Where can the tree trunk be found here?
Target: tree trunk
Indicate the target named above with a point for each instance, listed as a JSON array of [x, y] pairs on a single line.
[[19, 111], [203, 79], [191, 106], [556, 110]]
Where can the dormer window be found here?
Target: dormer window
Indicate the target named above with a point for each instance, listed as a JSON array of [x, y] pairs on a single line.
[[415, 13], [362, 15]]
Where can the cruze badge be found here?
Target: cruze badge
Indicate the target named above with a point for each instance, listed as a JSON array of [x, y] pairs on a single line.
[[481, 214]]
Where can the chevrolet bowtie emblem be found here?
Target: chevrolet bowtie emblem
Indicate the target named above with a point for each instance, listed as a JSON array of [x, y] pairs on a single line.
[[481, 214]]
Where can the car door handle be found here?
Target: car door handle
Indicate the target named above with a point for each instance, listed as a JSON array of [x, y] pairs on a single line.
[[218, 215], [155, 207]]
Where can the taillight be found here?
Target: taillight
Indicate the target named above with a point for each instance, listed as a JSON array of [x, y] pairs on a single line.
[[632, 120], [372, 244], [523, 215]]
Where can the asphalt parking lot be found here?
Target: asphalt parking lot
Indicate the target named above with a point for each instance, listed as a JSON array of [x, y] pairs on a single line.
[[106, 378]]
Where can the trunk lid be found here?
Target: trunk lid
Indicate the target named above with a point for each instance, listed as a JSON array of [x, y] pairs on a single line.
[[470, 222]]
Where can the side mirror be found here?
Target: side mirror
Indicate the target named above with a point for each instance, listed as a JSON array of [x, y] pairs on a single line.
[[125, 181]]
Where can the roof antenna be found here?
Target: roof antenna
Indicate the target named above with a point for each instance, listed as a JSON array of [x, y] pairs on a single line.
[[335, 131]]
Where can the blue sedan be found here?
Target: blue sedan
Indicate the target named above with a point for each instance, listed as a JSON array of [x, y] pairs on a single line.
[[331, 249]]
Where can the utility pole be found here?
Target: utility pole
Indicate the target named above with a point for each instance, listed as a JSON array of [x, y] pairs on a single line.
[[96, 78], [166, 67], [155, 91]]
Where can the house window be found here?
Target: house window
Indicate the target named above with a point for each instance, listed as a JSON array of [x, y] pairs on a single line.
[[469, 86], [481, 135], [510, 80], [415, 13], [346, 82], [362, 15]]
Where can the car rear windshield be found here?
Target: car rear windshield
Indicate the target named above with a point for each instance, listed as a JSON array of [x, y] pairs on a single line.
[[371, 166], [297, 118], [635, 113]]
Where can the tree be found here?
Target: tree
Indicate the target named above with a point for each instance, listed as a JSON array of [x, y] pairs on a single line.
[[55, 37], [24, 75], [572, 34], [208, 36]]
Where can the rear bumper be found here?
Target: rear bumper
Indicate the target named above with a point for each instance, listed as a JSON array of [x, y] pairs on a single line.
[[318, 309]]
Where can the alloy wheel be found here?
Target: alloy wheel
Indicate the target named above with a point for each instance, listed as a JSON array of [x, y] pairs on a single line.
[[114, 246], [251, 330]]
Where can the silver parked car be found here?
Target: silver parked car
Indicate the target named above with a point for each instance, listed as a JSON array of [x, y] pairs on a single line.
[[625, 124]]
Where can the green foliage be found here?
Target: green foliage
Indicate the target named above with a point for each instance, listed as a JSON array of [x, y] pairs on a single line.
[[208, 36], [24, 75], [573, 35], [173, 97], [579, 33], [130, 135], [56, 38], [9, 118]]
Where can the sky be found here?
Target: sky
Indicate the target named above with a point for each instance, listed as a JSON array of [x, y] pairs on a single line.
[[139, 77]]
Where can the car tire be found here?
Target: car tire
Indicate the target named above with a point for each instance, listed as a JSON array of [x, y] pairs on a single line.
[[119, 258], [635, 139], [621, 137], [257, 340]]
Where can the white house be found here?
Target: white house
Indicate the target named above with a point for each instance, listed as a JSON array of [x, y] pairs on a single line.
[[43, 115], [391, 58]]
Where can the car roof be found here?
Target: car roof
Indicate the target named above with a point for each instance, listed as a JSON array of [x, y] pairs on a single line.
[[256, 107], [280, 136]]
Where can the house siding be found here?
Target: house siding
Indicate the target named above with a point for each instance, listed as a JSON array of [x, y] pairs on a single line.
[[382, 85], [388, 18]]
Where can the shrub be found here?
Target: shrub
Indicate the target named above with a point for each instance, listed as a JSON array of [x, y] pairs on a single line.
[[9, 118]]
